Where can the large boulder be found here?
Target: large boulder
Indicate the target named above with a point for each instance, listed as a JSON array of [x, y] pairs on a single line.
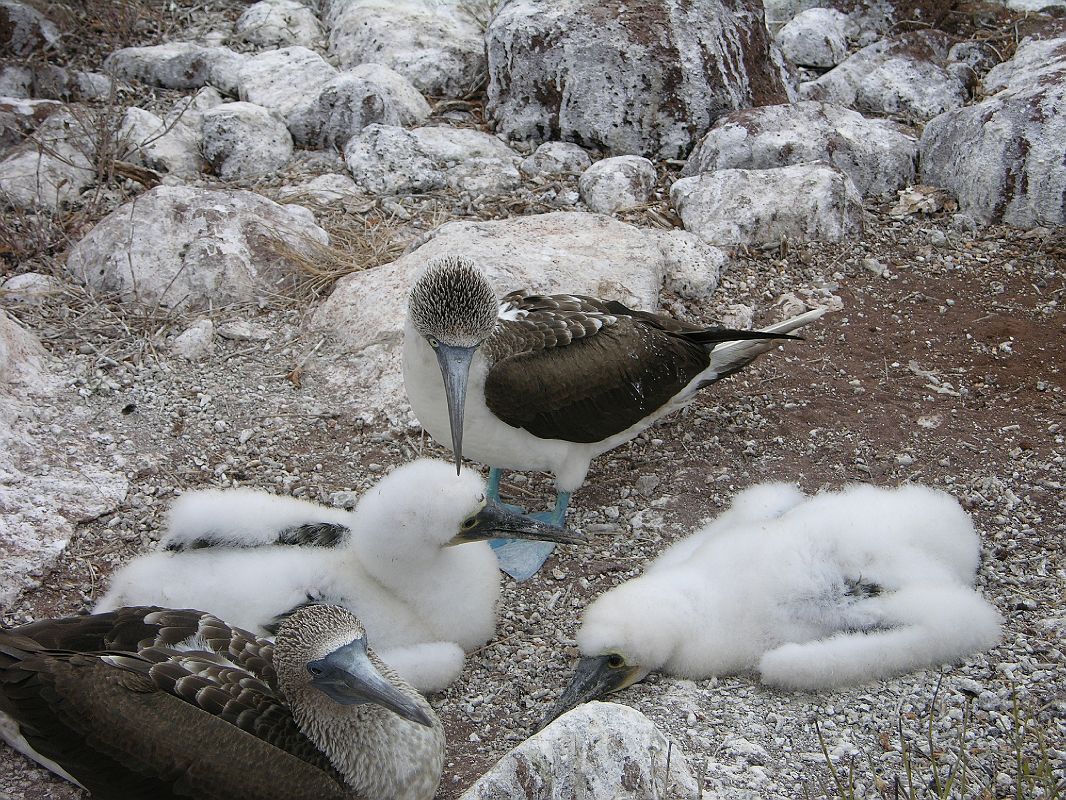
[[286, 81], [558, 252], [437, 46], [385, 159], [598, 750], [879, 156], [24, 29], [647, 78], [816, 37], [279, 23], [43, 80], [1005, 158], [806, 202], [177, 65], [364, 95], [908, 76], [53, 168], [180, 246]]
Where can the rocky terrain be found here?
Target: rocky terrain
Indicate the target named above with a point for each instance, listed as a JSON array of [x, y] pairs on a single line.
[[213, 212]]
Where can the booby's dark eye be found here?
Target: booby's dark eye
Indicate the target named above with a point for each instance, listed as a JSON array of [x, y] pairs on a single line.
[[315, 671], [469, 522], [615, 661], [432, 342]]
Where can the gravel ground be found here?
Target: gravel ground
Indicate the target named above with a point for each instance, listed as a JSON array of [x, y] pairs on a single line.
[[943, 365]]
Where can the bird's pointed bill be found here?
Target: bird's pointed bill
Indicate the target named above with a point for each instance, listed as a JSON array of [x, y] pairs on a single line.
[[595, 677], [496, 520], [455, 369], [348, 677]]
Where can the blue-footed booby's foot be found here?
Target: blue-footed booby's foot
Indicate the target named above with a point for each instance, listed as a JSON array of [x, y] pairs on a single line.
[[521, 558]]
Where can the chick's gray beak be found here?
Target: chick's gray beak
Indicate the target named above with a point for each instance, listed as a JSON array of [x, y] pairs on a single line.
[[347, 677], [594, 677], [455, 369], [496, 520]]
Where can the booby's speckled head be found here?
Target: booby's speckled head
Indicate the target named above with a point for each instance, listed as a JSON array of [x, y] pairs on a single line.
[[595, 677], [454, 308], [453, 303]]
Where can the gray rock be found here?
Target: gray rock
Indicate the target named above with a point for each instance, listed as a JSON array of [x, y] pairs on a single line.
[[178, 65], [195, 342], [190, 110], [879, 156], [815, 38], [779, 12], [16, 81], [25, 30], [805, 202], [906, 76], [367, 94], [242, 141], [323, 190], [53, 167], [561, 251], [279, 23], [286, 81], [556, 158], [596, 750], [646, 81], [180, 246], [617, 183], [20, 117], [50, 81], [437, 46], [171, 147], [29, 288], [385, 159], [1005, 158]]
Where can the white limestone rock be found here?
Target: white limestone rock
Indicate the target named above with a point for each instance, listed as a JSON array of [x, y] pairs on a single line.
[[242, 141], [437, 46], [25, 30], [616, 183], [553, 159], [805, 202], [596, 750], [364, 95], [279, 23], [50, 476], [44, 80], [286, 81], [906, 76], [386, 159], [1005, 158], [815, 38], [53, 169], [171, 147], [323, 190], [879, 156], [16, 80], [181, 246], [645, 80], [1033, 5], [562, 251], [178, 65], [195, 342], [190, 110], [29, 288], [779, 12]]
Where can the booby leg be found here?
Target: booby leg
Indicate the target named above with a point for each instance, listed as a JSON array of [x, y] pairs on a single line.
[[521, 558]]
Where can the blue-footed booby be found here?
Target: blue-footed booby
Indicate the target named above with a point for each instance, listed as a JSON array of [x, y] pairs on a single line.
[[410, 561], [549, 382], [149, 703], [840, 588]]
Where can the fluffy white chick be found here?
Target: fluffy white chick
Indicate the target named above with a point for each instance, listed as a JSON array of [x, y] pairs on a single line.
[[410, 561], [842, 588]]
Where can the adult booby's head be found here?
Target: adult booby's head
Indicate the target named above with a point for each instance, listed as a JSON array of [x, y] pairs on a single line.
[[454, 308], [330, 642], [438, 509]]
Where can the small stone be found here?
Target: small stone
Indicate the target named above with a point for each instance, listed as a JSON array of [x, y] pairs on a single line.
[[194, 344]]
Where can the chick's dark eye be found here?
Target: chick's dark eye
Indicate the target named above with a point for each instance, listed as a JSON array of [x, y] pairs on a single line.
[[314, 671], [615, 661], [470, 522]]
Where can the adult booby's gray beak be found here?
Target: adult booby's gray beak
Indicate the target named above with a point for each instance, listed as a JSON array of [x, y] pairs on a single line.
[[595, 677], [347, 677], [454, 364], [496, 520]]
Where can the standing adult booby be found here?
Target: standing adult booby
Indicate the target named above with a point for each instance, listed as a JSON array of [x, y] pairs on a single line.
[[147, 703], [540, 382]]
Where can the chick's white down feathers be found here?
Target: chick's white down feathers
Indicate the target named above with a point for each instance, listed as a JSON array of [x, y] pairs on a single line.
[[422, 603], [840, 588]]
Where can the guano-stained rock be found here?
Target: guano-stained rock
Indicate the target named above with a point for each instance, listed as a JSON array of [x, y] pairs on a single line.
[[242, 141]]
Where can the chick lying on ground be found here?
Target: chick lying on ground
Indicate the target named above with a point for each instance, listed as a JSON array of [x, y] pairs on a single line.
[[840, 588]]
